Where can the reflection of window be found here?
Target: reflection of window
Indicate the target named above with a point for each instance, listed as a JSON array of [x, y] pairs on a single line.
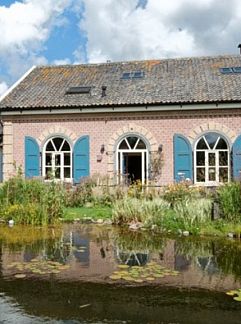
[[211, 159], [57, 159]]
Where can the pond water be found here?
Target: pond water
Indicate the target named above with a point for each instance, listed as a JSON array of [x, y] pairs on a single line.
[[100, 274]]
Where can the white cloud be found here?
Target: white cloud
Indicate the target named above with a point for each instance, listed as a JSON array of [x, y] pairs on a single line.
[[25, 26], [3, 87], [61, 61], [122, 30]]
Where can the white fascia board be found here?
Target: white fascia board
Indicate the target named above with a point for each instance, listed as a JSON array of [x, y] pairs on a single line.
[[100, 110], [17, 83]]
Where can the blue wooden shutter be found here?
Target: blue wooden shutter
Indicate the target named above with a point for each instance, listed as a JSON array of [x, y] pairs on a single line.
[[81, 158], [1, 165], [237, 158], [32, 158], [182, 158]]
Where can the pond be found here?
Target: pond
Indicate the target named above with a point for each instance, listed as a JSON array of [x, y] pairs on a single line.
[[104, 274]]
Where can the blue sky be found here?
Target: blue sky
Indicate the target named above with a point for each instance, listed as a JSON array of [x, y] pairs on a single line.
[[37, 32]]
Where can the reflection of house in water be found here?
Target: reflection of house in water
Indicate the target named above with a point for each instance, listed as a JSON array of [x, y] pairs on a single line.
[[132, 258], [94, 259]]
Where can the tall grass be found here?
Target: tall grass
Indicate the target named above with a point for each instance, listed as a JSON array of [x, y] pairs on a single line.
[[135, 210], [229, 197]]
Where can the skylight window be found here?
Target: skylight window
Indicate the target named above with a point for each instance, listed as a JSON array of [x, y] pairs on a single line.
[[132, 75], [228, 70], [78, 90], [138, 74]]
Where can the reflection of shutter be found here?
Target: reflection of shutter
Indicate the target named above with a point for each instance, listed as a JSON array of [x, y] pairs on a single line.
[[237, 158], [1, 165], [81, 158], [32, 157], [182, 158]]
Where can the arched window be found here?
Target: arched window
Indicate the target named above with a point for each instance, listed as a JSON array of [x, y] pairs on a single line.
[[211, 159], [57, 159], [132, 159]]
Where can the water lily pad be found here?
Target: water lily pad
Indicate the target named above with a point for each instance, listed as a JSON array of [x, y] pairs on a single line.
[[127, 278], [232, 292], [237, 298], [123, 266], [115, 277], [139, 280], [20, 275]]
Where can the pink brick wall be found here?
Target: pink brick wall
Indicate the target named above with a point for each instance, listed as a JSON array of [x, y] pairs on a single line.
[[162, 125]]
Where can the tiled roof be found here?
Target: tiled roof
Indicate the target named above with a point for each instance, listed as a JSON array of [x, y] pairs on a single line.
[[166, 81]]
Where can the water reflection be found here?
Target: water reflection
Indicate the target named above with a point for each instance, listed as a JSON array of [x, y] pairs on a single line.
[[93, 253]]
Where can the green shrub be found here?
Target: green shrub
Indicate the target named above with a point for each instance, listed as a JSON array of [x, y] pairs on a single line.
[[31, 201], [81, 194], [181, 191], [229, 196]]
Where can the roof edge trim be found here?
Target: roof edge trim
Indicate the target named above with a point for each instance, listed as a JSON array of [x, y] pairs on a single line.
[[17, 83]]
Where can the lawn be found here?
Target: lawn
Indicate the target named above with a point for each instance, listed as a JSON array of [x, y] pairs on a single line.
[[94, 213]]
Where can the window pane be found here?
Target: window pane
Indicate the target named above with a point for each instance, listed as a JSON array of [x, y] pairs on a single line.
[[222, 145], [200, 174], [132, 141], [223, 158], [212, 174], [57, 160], [48, 157], [211, 138], [141, 145], [66, 172], [123, 145], [58, 142], [200, 158], [65, 146], [223, 175], [57, 173], [48, 173], [50, 147], [202, 145], [67, 159], [211, 159]]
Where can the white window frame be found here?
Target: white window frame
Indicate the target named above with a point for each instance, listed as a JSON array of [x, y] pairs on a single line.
[[217, 166], [53, 155], [144, 158]]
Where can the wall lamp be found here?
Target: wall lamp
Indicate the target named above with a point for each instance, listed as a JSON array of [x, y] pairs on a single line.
[[160, 148], [102, 148]]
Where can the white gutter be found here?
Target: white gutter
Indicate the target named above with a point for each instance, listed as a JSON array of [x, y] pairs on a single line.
[[17, 83], [130, 109]]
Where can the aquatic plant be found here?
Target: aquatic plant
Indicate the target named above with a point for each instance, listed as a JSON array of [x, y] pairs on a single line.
[[139, 274], [235, 293], [37, 266]]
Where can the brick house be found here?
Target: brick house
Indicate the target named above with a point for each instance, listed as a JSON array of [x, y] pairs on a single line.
[[180, 118]]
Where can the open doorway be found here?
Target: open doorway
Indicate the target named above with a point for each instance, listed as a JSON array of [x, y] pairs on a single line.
[[132, 160], [132, 166]]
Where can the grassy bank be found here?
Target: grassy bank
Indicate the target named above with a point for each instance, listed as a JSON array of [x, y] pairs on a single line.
[[175, 208]]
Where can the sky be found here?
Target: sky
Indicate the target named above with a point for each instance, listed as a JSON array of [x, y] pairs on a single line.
[[40, 32]]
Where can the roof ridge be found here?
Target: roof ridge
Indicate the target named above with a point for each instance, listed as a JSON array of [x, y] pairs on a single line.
[[187, 58]]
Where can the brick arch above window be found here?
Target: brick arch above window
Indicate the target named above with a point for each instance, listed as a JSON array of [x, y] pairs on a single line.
[[132, 129], [56, 131], [198, 131]]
